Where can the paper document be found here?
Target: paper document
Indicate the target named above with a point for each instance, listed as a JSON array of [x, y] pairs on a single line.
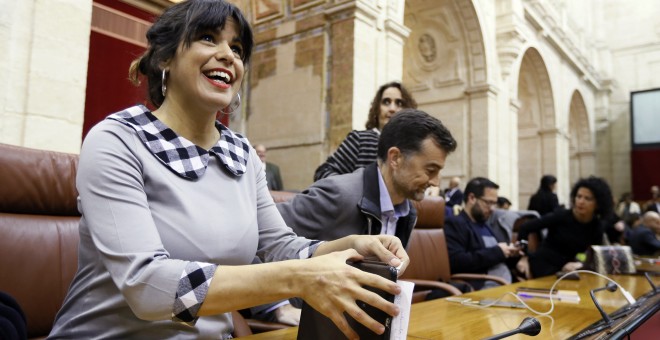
[[399, 330]]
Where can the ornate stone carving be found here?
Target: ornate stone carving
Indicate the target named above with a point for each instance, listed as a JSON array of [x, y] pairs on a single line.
[[427, 49]]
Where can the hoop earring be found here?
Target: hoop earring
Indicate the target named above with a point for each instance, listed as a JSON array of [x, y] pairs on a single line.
[[233, 105], [163, 87]]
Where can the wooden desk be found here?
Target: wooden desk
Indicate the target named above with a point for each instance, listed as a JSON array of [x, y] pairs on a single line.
[[647, 264], [442, 319]]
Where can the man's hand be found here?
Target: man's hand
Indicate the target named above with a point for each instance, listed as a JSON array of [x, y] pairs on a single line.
[[508, 249]]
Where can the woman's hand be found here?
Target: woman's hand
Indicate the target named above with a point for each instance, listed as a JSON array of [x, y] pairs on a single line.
[[523, 267], [385, 248], [331, 286], [571, 266]]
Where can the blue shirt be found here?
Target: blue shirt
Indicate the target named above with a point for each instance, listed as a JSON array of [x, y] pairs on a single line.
[[390, 213]]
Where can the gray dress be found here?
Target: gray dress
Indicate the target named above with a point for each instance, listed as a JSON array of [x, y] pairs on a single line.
[[145, 226]]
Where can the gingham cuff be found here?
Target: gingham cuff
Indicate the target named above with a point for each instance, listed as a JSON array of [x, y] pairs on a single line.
[[308, 251], [193, 285]]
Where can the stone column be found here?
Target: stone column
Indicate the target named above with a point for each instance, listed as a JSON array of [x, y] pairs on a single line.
[[44, 65], [366, 48], [482, 123]]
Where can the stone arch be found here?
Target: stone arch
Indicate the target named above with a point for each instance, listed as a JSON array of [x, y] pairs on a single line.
[[538, 135], [447, 68], [581, 145], [446, 45]]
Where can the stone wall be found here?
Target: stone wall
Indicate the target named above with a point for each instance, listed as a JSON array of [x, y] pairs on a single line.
[[44, 65]]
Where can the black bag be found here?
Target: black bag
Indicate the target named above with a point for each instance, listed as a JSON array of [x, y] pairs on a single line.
[[316, 326], [12, 319]]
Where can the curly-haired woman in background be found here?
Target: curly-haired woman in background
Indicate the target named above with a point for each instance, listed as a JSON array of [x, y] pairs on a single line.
[[570, 231]]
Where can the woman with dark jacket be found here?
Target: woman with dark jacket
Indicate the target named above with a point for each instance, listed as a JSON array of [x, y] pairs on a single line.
[[570, 231], [545, 200]]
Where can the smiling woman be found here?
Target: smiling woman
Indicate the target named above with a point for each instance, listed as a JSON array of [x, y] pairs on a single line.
[[175, 205]]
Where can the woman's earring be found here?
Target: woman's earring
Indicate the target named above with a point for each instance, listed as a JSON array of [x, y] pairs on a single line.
[[233, 105], [163, 87]]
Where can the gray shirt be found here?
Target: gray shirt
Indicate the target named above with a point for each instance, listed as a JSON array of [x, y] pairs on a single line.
[[142, 224]]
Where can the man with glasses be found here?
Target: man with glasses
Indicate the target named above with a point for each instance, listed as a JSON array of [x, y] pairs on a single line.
[[474, 245]]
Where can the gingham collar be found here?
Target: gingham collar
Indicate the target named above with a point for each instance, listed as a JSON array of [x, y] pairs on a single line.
[[179, 154]]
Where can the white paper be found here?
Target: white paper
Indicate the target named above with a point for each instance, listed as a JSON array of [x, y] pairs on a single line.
[[399, 330]]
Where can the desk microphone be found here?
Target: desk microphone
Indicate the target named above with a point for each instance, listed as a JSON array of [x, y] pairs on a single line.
[[529, 326], [611, 286], [648, 278]]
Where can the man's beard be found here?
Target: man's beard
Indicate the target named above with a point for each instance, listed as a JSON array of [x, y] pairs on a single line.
[[410, 193], [478, 214]]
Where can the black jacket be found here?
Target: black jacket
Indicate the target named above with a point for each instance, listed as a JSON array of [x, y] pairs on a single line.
[[544, 202], [467, 251], [566, 238]]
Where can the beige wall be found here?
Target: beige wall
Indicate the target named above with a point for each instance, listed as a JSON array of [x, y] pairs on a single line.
[[318, 63], [43, 60], [632, 32]]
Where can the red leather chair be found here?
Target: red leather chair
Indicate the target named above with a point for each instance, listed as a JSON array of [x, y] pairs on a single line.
[[429, 265], [39, 233], [39, 227]]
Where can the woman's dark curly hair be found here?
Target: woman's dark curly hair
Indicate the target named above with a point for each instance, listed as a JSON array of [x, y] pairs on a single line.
[[601, 191], [183, 23], [374, 112]]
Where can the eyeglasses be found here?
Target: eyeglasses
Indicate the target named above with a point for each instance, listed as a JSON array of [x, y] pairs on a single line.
[[488, 202]]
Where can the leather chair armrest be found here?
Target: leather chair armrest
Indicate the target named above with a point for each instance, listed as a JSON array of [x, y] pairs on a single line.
[[428, 284], [483, 277], [258, 326]]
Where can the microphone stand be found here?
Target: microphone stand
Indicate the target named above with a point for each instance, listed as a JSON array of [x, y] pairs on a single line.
[[648, 278], [609, 287], [529, 326]]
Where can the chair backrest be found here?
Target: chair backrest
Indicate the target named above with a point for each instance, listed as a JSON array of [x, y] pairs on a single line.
[[430, 212], [429, 259], [39, 231]]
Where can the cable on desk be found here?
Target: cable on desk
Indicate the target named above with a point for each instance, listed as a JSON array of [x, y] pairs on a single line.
[[625, 293]]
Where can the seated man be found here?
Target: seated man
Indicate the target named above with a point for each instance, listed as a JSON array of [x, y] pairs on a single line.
[[374, 200], [644, 239], [654, 203], [454, 195], [273, 177], [474, 246]]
